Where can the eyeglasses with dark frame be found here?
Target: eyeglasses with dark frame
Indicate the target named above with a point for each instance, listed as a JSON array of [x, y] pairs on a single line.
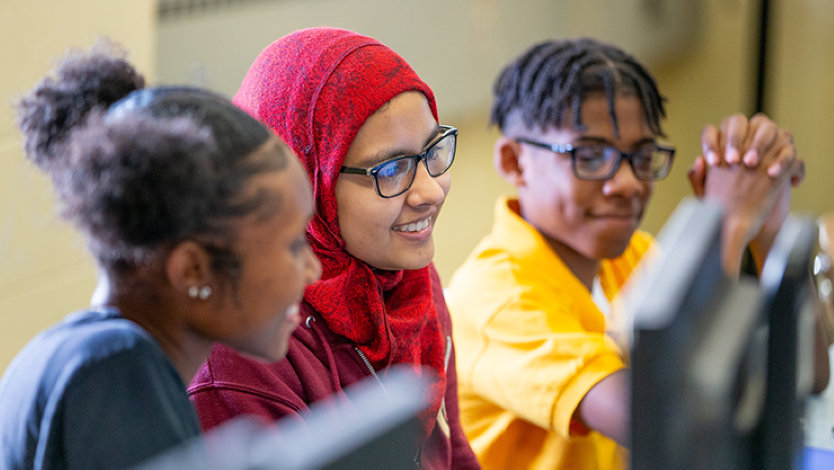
[[395, 176], [651, 162]]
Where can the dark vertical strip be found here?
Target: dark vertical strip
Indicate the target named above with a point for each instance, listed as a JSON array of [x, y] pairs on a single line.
[[761, 65]]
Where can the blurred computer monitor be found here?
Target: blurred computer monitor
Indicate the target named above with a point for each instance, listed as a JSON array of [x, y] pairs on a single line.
[[719, 368], [375, 426], [693, 329], [788, 309]]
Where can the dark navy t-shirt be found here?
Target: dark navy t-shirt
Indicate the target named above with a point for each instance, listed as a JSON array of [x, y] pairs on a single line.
[[94, 391]]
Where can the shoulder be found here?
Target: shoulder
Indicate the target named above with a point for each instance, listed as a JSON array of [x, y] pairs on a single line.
[[92, 347], [640, 242], [227, 368], [83, 340], [101, 348], [317, 365], [94, 373], [96, 335], [304, 368]]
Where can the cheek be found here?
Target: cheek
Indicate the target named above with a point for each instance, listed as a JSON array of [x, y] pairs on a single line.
[[348, 217], [359, 211], [365, 226], [274, 271], [649, 190], [572, 198], [445, 182]]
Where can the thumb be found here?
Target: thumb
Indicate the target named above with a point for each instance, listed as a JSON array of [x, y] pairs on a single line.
[[697, 175]]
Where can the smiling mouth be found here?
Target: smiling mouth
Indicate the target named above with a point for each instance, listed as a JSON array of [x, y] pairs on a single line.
[[413, 227]]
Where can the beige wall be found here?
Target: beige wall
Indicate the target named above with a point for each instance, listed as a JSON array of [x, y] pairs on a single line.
[[703, 83], [711, 79], [714, 80], [802, 95], [45, 271]]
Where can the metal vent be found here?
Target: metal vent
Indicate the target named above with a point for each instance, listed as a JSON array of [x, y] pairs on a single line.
[[173, 9]]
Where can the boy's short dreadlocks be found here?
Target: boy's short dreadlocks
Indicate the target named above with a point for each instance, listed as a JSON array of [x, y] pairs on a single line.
[[553, 75]]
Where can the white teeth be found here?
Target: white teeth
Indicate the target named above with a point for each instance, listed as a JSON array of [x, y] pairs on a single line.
[[415, 227]]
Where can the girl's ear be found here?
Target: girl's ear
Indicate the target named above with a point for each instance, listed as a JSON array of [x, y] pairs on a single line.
[[506, 156], [188, 267]]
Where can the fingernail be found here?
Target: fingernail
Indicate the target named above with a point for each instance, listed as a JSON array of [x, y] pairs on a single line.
[[774, 170], [751, 158], [712, 158], [732, 156]]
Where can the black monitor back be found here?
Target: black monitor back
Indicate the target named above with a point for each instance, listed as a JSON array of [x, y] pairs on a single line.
[[788, 311], [692, 328], [715, 362], [375, 426]]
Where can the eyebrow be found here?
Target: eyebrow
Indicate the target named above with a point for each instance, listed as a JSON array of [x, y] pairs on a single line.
[[385, 155]]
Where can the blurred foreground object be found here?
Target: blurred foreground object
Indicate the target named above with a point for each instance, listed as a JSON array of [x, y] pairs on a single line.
[[823, 274], [375, 426]]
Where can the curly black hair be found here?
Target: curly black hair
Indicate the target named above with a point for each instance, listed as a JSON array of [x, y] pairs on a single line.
[[556, 75], [140, 170], [82, 81]]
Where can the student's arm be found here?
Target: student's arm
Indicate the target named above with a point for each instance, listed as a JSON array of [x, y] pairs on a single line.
[[605, 407]]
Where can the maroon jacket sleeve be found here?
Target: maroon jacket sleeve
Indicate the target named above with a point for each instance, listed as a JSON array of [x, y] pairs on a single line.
[[462, 455]]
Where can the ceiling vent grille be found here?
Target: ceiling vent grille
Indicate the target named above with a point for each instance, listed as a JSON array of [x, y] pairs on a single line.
[[173, 9]]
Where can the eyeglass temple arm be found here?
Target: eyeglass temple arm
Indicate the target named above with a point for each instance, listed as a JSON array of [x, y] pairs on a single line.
[[557, 148], [355, 171]]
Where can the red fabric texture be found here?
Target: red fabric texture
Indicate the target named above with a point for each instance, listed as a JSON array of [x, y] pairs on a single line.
[[315, 88], [319, 366]]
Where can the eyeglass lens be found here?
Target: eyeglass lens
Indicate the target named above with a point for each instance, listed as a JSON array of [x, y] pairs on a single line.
[[600, 162], [396, 176]]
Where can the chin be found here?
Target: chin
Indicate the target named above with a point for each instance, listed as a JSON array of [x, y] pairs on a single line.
[[275, 354], [420, 263], [279, 353], [613, 250], [270, 353], [412, 260]]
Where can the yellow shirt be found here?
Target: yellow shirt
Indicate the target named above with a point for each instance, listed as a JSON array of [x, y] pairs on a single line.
[[530, 343]]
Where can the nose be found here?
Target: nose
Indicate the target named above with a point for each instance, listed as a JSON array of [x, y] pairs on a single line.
[[312, 271], [426, 189], [625, 183]]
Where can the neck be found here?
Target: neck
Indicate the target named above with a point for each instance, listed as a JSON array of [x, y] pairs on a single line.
[[584, 268], [186, 350]]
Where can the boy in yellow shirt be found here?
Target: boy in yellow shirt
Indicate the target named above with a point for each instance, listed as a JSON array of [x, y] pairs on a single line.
[[541, 385]]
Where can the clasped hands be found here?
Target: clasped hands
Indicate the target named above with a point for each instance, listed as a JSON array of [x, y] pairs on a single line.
[[747, 167]]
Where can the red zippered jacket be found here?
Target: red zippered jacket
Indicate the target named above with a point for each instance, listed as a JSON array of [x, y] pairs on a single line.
[[318, 365]]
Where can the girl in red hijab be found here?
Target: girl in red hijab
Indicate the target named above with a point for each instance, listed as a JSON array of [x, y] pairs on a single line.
[[365, 127]]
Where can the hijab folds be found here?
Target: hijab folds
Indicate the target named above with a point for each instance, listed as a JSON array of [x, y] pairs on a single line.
[[315, 88]]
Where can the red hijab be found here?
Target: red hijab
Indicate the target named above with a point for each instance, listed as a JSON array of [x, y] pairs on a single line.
[[315, 88]]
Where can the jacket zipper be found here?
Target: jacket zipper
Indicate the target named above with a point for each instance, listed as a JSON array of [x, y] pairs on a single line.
[[370, 367]]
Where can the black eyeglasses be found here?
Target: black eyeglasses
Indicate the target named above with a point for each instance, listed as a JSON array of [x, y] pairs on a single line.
[[596, 162], [395, 176]]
